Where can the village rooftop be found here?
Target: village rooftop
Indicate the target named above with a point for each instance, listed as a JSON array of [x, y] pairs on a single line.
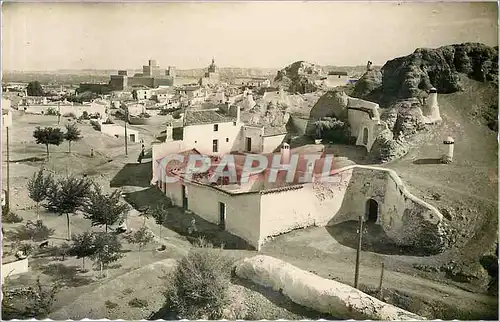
[[313, 167]]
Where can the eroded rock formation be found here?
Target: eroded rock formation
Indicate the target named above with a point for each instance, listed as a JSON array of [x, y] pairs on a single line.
[[407, 76], [298, 77]]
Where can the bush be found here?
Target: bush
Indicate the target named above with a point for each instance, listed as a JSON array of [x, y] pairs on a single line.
[[85, 116], [11, 218], [135, 302], [110, 305], [330, 129], [26, 248], [38, 231], [176, 115], [199, 285], [52, 111]]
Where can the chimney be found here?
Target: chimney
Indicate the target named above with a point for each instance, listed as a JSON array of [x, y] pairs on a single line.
[[285, 153], [432, 111], [234, 111], [169, 134]]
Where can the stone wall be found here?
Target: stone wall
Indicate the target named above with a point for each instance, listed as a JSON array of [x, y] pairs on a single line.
[[406, 219], [323, 295], [271, 143], [314, 204], [14, 268]]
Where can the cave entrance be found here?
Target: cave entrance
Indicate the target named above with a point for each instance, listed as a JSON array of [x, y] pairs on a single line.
[[371, 214]]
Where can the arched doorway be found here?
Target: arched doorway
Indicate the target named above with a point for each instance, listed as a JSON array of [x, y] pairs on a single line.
[[371, 213], [365, 136]]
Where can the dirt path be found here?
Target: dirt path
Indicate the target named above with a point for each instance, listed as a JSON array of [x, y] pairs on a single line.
[[315, 250]]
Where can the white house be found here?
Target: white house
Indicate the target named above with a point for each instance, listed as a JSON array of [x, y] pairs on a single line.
[[118, 131], [258, 210], [219, 132], [212, 132], [144, 93]]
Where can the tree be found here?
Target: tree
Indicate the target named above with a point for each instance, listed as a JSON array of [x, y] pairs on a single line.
[[105, 209], [48, 135], [160, 215], [106, 249], [72, 134], [35, 89], [68, 195], [141, 237], [83, 246], [38, 185], [145, 213]]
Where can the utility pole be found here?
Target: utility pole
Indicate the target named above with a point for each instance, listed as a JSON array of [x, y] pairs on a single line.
[[58, 112], [126, 136], [358, 251], [381, 280], [7, 196]]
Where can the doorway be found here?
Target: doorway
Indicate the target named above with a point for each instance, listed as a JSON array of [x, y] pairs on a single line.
[[365, 136], [371, 211], [215, 146], [249, 145], [222, 215], [184, 198], [132, 137]]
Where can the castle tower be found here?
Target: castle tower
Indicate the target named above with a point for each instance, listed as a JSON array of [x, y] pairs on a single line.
[[450, 143], [432, 107]]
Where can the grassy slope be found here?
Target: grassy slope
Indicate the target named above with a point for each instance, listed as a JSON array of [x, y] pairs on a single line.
[[469, 186]]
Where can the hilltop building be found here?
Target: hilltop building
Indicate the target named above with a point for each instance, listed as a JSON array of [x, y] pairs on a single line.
[[212, 76], [152, 76]]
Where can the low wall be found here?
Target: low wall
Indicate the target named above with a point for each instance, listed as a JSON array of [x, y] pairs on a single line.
[[14, 268], [313, 205], [299, 124], [313, 291], [406, 219]]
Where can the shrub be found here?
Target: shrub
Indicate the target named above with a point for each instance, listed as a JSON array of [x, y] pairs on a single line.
[[26, 248], [135, 302], [85, 116], [38, 231], [331, 129], [110, 305], [199, 285], [52, 111], [176, 115], [11, 218]]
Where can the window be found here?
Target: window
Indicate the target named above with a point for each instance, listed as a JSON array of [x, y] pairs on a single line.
[[195, 142], [215, 146], [227, 139], [216, 127], [234, 123]]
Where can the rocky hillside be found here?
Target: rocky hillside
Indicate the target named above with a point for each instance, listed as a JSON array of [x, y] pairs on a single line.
[[298, 77], [411, 75]]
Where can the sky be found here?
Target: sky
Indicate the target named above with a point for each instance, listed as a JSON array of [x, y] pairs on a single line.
[[51, 36]]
